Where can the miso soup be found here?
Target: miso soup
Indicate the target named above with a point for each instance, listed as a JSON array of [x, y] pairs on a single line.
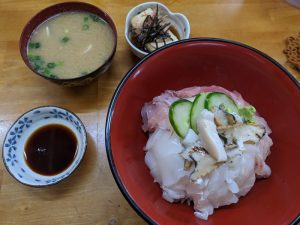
[[70, 45]]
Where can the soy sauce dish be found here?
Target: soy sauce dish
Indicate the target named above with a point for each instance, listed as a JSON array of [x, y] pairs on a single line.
[[69, 43], [44, 146]]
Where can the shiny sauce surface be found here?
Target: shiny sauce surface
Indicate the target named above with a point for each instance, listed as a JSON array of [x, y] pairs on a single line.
[[50, 149]]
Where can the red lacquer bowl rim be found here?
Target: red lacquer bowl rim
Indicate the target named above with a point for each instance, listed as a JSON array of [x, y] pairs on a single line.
[[114, 99]]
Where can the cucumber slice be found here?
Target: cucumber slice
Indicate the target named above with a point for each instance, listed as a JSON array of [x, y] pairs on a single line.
[[179, 116], [216, 99], [197, 107]]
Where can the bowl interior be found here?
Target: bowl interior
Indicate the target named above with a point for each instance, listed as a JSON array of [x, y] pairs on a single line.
[[53, 10], [24, 127], [203, 62]]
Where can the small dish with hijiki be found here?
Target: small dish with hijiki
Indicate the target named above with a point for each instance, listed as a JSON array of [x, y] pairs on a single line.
[[152, 25]]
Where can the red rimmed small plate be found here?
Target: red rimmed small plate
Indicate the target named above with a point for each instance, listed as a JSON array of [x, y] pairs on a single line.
[[202, 62]]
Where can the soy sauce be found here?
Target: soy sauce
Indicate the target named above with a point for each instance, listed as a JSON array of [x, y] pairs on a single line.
[[50, 149]]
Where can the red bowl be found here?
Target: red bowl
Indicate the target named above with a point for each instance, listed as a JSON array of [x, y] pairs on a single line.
[[202, 62]]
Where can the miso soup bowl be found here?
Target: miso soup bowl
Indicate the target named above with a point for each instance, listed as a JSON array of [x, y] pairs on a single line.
[[54, 10], [13, 152]]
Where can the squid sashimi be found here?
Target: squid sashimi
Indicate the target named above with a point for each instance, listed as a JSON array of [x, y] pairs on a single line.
[[206, 145]]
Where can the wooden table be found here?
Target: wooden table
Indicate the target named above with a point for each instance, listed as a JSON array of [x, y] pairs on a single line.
[[90, 195]]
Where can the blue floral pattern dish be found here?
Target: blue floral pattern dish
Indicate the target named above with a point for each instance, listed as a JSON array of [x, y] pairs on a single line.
[[20, 131]]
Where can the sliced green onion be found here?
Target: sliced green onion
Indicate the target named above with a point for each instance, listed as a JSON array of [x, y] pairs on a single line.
[[65, 39], [96, 19], [46, 71], [53, 76], [85, 27], [36, 57], [60, 63], [51, 65], [34, 45], [83, 73], [37, 67]]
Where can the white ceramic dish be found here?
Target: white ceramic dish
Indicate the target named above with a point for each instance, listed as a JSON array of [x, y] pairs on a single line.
[[295, 3], [178, 20], [20, 131]]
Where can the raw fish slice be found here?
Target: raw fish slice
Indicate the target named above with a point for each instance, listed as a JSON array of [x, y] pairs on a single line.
[[209, 136], [163, 159], [223, 186], [261, 151], [192, 91], [155, 113]]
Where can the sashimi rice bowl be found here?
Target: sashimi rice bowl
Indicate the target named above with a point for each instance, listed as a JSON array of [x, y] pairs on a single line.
[[205, 131], [206, 146]]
